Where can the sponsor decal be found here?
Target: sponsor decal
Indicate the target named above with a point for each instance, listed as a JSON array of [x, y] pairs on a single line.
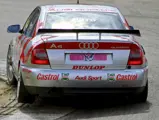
[[65, 76], [26, 70], [80, 9], [120, 47], [83, 19], [126, 77], [51, 9], [55, 9], [91, 78], [47, 76], [88, 67], [27, 73], [56, 46], [111, 76]]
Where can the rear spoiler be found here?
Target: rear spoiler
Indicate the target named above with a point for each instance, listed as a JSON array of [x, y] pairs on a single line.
[[77, 31]]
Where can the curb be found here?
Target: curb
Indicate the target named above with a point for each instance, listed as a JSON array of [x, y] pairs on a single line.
[[3, 78]]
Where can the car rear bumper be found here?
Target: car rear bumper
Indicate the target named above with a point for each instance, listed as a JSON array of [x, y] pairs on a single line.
[[48, 91], [105, 80]]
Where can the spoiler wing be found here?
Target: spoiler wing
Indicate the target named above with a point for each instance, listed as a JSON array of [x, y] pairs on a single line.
[[100, 31]]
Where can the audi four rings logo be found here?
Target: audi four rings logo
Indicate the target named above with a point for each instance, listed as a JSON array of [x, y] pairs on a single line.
[[88, 45]]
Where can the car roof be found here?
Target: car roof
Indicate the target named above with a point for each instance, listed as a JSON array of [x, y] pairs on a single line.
[[86, 7]]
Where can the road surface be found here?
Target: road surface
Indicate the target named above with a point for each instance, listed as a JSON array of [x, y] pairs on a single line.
[[142, 14]]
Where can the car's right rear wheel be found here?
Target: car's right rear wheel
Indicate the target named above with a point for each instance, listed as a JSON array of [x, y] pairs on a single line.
[[141, 97], [23, 96]]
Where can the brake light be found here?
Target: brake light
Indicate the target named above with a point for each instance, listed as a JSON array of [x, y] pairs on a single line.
[[39, 56], [136, 55]]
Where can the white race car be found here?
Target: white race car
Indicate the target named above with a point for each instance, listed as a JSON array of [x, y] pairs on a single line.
[[76, 49]]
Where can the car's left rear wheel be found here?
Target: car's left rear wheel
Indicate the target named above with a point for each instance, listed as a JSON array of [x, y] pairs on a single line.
[[23, 96], [11, 80]]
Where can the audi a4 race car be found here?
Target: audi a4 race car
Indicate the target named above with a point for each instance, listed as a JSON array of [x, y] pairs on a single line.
[[76, 49]]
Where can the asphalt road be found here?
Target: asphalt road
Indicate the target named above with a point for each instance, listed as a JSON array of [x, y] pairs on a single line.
[[143, 15]]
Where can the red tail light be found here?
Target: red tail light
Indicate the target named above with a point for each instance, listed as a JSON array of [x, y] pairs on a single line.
[[136, 55], [39, 56]]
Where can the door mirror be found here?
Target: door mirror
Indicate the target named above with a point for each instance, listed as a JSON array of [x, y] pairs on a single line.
[[13, 28], [131, 27]]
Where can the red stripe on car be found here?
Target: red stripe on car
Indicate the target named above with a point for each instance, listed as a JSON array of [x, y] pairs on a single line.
[[25, 45], [22, 40], [87, 45], [24, 58], [19, 38]]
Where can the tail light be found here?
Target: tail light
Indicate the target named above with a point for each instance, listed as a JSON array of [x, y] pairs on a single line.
[[136, 56], [39, 56]]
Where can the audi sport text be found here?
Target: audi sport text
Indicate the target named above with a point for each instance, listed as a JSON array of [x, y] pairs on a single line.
[[88, 78]]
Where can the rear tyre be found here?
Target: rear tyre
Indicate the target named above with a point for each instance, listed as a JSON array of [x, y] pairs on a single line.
[[141, 97], [11, 80], [23, 96]]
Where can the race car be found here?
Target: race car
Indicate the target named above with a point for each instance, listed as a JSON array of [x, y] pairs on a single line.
[[76, 50]]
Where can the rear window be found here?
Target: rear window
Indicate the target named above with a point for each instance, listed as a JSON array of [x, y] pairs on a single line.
[[83, 20]]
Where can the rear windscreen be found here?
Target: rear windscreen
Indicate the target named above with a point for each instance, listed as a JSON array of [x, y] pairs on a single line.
[[83, 20]]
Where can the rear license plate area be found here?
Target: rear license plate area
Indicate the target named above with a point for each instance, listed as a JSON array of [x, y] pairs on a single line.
[[88, 58]]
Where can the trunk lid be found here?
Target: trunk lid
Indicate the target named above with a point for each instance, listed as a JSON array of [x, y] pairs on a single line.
[[88, 52]]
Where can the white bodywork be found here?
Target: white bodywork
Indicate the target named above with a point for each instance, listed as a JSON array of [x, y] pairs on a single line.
[[61, 66]]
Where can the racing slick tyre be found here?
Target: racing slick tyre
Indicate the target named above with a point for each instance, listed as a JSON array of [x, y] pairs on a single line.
[[141, 97], [11, 80], [23, 95]]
